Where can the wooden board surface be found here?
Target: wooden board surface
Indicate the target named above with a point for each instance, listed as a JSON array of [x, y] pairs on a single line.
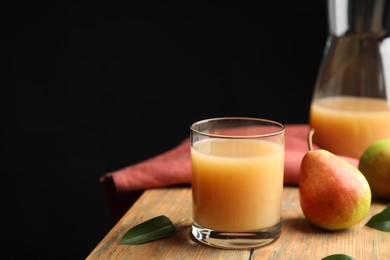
[[299, 239]]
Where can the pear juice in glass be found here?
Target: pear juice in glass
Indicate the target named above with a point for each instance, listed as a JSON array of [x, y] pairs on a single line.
[[237, 181]]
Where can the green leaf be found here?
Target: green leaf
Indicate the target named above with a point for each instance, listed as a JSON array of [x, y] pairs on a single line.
[[152, 229], [338, 257], [381, 221]]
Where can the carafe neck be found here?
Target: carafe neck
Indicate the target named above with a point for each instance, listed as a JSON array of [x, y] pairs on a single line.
[[365, 18]]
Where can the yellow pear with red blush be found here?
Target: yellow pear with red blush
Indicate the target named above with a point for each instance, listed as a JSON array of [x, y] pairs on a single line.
[[333, 193]]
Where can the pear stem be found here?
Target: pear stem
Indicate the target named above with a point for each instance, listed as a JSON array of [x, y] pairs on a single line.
[[310, 139]]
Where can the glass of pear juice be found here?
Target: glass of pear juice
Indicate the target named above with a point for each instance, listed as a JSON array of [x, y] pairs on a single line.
[[237, 181]]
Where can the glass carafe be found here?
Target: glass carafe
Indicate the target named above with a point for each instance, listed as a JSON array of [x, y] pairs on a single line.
[[350, 107]]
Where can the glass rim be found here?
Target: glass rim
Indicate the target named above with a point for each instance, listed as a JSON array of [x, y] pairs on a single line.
[[255, 120]]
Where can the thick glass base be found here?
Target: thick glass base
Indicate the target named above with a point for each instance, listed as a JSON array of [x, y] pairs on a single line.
[[236, 240]]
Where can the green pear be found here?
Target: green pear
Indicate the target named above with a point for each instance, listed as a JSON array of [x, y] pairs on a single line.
[[333, 193], [375, 165]]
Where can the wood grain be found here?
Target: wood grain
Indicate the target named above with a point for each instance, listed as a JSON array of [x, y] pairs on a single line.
[[299, 239]]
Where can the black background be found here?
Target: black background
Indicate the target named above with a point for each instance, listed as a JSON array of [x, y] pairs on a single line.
[[91, 87]]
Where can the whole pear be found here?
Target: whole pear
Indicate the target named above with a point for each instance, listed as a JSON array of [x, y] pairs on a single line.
[[375, 165], [333, 193]]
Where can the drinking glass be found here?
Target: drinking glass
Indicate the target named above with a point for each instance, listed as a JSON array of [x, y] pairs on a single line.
[[237, 181]]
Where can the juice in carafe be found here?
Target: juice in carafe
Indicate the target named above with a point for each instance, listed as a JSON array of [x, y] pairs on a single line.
[[348, 125]]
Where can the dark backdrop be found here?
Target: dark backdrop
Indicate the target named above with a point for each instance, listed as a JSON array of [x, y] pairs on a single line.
[[92, 87]]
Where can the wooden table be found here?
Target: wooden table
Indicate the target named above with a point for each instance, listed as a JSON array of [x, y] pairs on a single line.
[[299, 239]]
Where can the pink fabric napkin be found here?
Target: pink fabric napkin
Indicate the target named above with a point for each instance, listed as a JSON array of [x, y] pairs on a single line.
[[173, 167]]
